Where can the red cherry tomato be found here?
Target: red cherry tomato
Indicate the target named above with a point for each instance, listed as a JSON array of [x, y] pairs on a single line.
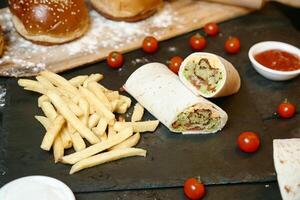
[[150, 44], [174, 64], [211, 29], [197, 42], [115, 60], [232, 45], [286, 110], [193, 189], [248, 142]]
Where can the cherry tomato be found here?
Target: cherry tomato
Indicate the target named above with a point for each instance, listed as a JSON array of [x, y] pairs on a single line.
[[194, 189], [197, 42], [232, 45], [115, 60], [248, 142], [174, 64], [150, 44], [286, 109], [211, 29]]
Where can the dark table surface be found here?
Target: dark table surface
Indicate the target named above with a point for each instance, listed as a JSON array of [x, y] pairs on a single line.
[[277, 17]]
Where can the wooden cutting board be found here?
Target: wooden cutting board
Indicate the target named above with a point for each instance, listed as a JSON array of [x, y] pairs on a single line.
[[23, 58]]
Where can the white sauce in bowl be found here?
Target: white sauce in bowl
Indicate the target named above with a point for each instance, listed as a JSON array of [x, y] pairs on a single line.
[[36, 188]]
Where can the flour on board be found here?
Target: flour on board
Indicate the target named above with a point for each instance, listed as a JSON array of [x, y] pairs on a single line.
[[103, 34]]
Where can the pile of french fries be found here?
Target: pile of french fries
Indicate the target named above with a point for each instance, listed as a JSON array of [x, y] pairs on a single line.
[[81, 113]]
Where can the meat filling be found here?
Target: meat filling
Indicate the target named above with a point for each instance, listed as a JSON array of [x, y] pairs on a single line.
[[198, 119], [202, 75]]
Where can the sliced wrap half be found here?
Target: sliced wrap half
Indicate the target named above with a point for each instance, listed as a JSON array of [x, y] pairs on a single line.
[[209, 75], [161, 92], [286, 153]]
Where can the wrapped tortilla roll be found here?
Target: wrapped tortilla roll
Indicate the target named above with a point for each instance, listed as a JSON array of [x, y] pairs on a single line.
[[286, 153], [209, 75], [160, 91]]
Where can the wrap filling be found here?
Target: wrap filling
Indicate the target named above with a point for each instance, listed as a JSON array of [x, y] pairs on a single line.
[[197, 118], [203, 75]]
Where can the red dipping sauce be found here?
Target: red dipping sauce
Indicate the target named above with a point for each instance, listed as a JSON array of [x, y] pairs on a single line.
[[278, 60]]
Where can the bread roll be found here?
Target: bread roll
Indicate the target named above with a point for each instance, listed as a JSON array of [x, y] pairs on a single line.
[[127, 10], [50, 21]]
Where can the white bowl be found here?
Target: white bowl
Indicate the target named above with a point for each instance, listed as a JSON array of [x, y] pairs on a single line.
[[36, 188], [268, 73]]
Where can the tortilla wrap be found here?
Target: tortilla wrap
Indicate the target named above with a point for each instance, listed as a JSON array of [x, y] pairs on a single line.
[[209, 75], [286, 153], [160, 91]]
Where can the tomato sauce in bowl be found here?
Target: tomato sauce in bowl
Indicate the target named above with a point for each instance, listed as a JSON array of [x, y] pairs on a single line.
[[278, 60]]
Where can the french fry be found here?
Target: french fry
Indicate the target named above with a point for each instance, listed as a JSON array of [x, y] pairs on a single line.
[[114, 104], [104, 89], [92, 109], [85, 107], [32, 86], [138, 113], [46, 123], [97, 148], [64, 110], [122, 108], [49, 110], [49, 86], [130, 142], [65, 93], [96, 89], [144, 126], [41, 99], [107, 157], [78, 80], [92, 78], [45, 83], [98, 105], [126, 100], [81, 108], [112, 95], [73, 107], [58, 148], [111, 132], [102, 125], [59, 81], [66, 138], [99, 130], [52, 132], [103, 137], [93, 120], [78, 142], [70, 128]]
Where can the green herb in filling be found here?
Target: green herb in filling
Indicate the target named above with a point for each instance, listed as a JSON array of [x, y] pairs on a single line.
[[200, 119], [202, 75]]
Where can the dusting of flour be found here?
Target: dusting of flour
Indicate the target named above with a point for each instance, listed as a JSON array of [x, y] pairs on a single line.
[[103, 34]]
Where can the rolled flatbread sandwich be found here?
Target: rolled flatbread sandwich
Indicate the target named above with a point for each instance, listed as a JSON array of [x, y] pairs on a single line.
[[286, 153], [209, 75], [161, 92]]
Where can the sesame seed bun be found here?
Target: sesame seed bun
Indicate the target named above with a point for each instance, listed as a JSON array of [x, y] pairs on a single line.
[[127, 10], [50, 21]]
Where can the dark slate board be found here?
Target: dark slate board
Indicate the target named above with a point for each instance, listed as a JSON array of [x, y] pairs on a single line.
[[256, 191], [213, 157], [171, 158]]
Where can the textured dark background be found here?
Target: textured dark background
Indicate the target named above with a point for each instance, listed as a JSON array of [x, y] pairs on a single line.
[[252, 107]]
